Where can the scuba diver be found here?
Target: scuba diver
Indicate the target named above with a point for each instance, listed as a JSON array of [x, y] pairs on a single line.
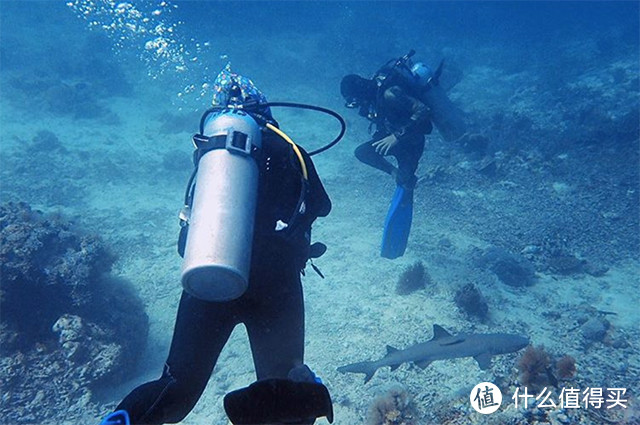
[[245, 240], [403, 101], [401, 121]]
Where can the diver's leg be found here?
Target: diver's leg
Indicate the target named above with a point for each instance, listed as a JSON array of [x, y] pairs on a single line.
[[367, 153], [275, 321], [200, 333], [408, 154]]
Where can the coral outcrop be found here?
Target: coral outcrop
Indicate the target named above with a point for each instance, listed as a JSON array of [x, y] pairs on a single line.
[[565, 367], [471, 302], [394, 407], [534, 367], [66, 325]]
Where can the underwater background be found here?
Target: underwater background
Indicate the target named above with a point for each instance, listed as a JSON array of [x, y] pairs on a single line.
[[537, 235]]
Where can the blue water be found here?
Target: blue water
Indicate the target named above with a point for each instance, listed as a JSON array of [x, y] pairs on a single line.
[[119, 88], [346, 35]]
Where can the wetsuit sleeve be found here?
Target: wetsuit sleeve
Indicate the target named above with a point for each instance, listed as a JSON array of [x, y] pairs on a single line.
[[419, 114]]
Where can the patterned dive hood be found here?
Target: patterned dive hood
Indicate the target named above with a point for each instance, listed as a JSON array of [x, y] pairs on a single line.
[[226, 79]]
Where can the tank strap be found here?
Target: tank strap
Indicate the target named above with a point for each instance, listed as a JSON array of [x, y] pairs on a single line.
[[214, 142], [205, 144]]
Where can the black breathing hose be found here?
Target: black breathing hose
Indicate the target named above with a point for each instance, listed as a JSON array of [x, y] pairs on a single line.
[[343, 124]]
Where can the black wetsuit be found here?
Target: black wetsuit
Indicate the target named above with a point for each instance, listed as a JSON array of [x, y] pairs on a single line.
[[272, 308], [396, 112]]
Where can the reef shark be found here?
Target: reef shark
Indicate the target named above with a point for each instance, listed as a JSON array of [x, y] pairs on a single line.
[[443, 346]]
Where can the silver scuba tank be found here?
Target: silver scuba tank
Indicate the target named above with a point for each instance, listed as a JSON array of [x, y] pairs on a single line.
[[217, 254], [422, 74], [447, 118]]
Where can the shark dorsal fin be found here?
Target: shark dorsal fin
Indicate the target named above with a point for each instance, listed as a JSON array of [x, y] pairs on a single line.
[[391, 349], [440, 332]]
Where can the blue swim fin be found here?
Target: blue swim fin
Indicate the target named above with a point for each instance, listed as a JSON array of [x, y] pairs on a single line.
[[120, 417], [397, 225]]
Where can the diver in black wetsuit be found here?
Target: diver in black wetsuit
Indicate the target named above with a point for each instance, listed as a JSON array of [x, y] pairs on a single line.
[[404, 101], [401, 122], [272, 310], [392, 101]]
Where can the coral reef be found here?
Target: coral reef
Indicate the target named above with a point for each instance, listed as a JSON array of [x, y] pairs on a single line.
[[67, 326], [395, 407], [413, 278], [471, 302], [533, 367]]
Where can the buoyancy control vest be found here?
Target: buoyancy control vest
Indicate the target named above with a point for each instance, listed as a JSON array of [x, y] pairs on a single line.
[[415, 77], [422, 83]]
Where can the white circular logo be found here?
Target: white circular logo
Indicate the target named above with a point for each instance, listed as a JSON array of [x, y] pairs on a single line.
[[485, 398]]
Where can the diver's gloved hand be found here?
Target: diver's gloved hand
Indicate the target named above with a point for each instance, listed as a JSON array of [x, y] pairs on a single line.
[[298, 400], [120, 417], [383, 146]]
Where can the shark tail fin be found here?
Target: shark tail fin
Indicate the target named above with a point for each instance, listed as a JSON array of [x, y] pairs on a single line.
[[368, 368]]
